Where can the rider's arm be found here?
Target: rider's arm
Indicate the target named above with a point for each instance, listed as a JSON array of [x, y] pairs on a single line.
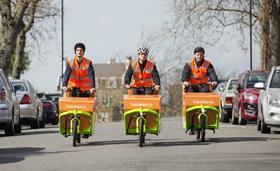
[[128, 75], [66, 75], [186, 73], [91, 75], [155, 76], [211, 73]]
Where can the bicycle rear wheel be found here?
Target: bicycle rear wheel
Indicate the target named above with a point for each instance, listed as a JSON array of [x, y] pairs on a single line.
[[75, 132], [141, 132]]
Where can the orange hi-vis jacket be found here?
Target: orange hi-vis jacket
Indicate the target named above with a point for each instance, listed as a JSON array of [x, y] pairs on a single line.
[[143, 79], [79, 77], [199, 74]]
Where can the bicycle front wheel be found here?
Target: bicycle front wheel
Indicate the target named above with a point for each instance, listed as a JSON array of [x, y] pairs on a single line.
[[141, 132], [202, 126], [75, 132]]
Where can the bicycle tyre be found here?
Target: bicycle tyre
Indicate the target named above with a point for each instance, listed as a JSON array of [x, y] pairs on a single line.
[[202, 126], [141, 132], [75, 132]]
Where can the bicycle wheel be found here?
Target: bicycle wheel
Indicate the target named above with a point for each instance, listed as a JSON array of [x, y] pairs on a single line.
[[75, 132], [203, 126], [141, 132]]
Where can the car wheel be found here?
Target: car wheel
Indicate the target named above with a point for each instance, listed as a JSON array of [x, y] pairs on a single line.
[[241, 121], [42, 122], [233, 118], [264, 128], [10, 128], [225, 117], [258, 124], [18, 127], [35, 124]]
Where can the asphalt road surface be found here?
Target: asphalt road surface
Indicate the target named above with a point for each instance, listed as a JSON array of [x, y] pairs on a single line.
[[230, 148]]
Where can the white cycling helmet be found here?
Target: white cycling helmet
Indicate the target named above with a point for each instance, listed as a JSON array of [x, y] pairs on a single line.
[[143, 50]]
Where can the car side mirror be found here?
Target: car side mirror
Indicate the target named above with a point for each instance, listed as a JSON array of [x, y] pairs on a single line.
[[259, 85]]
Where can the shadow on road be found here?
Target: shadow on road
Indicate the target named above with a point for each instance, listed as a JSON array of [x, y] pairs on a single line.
[[39, 132], [239, 139], [112, 142], [11, 155]]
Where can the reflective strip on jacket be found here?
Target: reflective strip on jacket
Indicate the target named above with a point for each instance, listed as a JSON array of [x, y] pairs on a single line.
[[199, 74], [143, 79], [79, 77]]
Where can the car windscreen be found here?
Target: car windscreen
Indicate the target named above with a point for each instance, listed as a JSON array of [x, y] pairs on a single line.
[[19, 86], [275, 80], [231, 84], [256, 78]]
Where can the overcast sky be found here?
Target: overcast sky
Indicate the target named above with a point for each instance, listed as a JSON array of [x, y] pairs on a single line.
[[111, 28]]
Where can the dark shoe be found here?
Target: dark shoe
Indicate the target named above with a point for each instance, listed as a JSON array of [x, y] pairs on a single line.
[[85, 135], [191, 132]]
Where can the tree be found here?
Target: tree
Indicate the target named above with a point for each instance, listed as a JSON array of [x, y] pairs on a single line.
[[206, 20], [14, 30], [12, 14]]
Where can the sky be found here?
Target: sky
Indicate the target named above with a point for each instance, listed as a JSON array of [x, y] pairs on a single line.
[[113, 28]]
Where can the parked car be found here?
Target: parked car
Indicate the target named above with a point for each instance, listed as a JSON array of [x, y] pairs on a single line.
[[269, 102], [31, 107], [226, 99], [49, 109], [220, 88], [245, 99], [54, 97], [9, 107]]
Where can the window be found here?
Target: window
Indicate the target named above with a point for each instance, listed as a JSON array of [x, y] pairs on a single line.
[[275, 80]]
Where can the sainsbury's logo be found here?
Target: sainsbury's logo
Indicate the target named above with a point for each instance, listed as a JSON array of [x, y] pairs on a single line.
[[141, 104], [78, 107], [203, 102]]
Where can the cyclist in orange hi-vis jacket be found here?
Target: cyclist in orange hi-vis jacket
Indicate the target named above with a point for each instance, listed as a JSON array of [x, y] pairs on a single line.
[[143, 74], [79, 71], [198, 73]]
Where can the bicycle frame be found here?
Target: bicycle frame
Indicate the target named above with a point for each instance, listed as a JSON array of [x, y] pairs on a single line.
[[141, 113], [70, 116], [202, 110]]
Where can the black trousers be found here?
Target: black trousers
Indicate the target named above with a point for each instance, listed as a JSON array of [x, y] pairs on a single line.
[[198, 88], [142, 90]]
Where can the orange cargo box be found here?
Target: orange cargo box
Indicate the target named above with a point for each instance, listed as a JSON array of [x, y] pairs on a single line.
[[195, 99], [144, 101], [76, 103]]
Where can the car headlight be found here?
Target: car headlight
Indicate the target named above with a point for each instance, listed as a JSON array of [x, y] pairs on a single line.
[[249, 96], [272, 101]]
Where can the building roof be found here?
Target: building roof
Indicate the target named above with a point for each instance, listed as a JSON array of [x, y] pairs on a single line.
[[109, 69]]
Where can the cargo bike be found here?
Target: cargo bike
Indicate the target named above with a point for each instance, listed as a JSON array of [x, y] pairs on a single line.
[[141, 115], [200, 111], [77, 115]]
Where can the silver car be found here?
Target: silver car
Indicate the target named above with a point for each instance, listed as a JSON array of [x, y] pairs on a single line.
[[31, 107], [9, 107], [269, 102], [226, 99]]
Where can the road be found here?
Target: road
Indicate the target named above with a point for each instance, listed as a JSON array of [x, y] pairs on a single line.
[[230, 148]]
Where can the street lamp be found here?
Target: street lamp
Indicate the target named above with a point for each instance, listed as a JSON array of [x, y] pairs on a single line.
[[62, 38], [251, 35]]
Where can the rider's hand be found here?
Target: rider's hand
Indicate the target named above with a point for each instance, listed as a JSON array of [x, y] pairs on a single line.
[[92, 90], [214, 83], [64, 88], [157, 87], [186, 83], [127, 86]]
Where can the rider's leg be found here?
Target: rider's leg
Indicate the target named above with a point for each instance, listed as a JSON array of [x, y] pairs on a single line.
[[190, 89], [134, 91], [204, 88], [148, 91]]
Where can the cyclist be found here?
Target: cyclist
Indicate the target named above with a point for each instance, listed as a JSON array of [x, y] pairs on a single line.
[[144, 74], [198, 72], [79, 73]]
